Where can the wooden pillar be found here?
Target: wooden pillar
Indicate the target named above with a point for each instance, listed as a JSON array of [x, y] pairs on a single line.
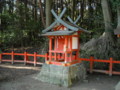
[[77, 54], [71, 49], [65, 48], [55, 46], [50, 48], [0, 57], [35, 58], [46, 57], [25, 58], [12, 57]]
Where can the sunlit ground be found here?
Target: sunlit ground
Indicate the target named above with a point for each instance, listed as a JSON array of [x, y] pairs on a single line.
[[18, 66]]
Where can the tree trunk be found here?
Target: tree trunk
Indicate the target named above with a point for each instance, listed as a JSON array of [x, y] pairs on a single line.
[[118, 24], [35, 9], [107, 16], [48, 12], [108, 21], [73, 9], [90, 14], [82, 11], [10, 6], [0, 12], [26, 14], [118, 12], [41, 13], [1, 9], [1, 31], [105, 46]]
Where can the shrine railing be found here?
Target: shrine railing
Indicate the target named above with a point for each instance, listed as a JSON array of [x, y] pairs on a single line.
[[25, 59], [37, 59], [110, 71]]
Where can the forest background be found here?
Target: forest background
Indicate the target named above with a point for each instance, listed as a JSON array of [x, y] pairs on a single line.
[[22, 22]]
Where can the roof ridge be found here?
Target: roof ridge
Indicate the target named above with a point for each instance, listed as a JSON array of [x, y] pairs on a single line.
[[73, 27]]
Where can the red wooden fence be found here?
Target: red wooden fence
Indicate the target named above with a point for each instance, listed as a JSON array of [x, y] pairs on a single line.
[[110, 61], [36, 61], [25, 55]]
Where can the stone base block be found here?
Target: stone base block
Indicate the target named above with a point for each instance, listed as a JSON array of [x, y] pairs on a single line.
[[117, 86], [61, 75]]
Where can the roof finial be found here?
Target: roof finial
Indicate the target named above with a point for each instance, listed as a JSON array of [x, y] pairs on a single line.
[[60, 16], [74, 22]]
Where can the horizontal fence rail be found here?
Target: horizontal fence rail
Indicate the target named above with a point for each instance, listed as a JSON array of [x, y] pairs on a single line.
[[110, 61], [25, 60], [37, 61]]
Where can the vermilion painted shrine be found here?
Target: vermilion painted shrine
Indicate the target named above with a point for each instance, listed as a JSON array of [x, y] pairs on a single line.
[[64, 48], [64, 40]]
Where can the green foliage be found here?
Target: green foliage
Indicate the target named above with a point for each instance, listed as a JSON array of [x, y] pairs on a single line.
[[19, 28], [115, 3]]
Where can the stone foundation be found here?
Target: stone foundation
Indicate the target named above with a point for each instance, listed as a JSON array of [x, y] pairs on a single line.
[[61, 75], [117, 86]]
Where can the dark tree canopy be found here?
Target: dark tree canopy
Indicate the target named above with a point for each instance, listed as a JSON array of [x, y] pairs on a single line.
[[22, 21]]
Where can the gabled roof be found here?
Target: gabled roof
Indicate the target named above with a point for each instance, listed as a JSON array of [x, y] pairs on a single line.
[[69, 25], [79, 28]]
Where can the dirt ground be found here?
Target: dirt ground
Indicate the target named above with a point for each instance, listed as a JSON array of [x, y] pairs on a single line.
[[20, 77]]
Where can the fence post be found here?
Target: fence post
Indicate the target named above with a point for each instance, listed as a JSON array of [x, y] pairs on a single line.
[[0, 57], [12, 57], [91, 64], [25, 58], [46, 56], [110, 67], [55, 57], [35, 58]]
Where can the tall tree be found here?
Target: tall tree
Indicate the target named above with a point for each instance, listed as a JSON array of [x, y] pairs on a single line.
[[35, 9], [42, 13], [82, 3], [10, 4], [26, 7], [73, 9], [107, 16], [0, 12], [48, 12], [118, 15], [104, 46], [2, 7]]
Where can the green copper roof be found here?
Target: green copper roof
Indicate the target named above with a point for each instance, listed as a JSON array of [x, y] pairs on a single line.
[[71, 25], [58, 33]]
